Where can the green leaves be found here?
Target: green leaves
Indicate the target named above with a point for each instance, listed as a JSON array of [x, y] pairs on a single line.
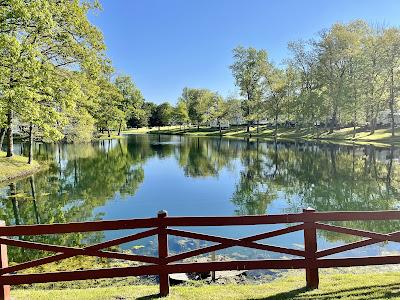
[[52, 65]]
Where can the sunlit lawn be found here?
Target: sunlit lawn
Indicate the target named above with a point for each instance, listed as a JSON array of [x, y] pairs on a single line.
[[381, 136], [15, 166], [338, 286]]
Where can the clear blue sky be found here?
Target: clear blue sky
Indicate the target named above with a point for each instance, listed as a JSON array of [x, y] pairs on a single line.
[[166, 45]]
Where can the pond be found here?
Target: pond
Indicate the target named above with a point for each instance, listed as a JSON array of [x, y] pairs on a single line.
[[138, 175]]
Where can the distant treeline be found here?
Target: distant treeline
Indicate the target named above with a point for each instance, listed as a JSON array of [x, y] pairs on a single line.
[[56, 82], [347, 76]]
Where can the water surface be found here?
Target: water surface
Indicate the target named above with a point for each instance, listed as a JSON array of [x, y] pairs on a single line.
[[139, 175]]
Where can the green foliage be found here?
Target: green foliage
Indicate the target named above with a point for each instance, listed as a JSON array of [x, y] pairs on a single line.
[[198, 102], [249, 69], [163, 114], [53, 68], [131, 102], [181, 113]]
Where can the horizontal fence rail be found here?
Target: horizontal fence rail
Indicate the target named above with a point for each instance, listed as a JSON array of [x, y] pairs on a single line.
[[310, 259]]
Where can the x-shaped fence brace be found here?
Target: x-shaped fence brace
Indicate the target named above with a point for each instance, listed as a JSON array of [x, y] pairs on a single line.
[[372, 238], [68, 252], [64, 252], [166, 263], [96, 250]]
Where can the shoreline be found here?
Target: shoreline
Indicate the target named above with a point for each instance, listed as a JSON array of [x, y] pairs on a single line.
[[381, 137], [17, 168]]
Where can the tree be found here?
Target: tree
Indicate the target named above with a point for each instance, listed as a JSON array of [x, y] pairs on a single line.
[[335, 52], [235, 113], [248, 69], [275, 91], [132, 100], [37, 46], [391, 50], [198, 102], [219, 111], [108, 113], [373, 76], [307, 105], [163, 115], [181, 113]]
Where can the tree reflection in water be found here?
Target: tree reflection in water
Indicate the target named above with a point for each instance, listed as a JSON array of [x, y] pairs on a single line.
[[83, 177]]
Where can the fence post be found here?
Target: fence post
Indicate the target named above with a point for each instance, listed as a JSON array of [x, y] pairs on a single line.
[[5, 289], [163, 254], [310, 247]]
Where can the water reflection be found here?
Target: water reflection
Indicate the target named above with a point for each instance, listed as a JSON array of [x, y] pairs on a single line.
[[130, 177]]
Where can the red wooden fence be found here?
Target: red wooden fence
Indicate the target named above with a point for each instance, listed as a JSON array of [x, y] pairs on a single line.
[[310, 259]]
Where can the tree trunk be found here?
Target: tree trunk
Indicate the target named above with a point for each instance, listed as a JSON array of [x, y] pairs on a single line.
[[10, 137], [258, 126], [198, 127], [391, 101], [119, 128], [30, 157], [33, 193], [389, 170], [373, 125], [13, 192], [220, 128], [248, 127], [333, 120], [276, 125], [2, 135]]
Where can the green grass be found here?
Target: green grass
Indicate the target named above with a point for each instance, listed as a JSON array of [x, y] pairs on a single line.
[[16, 166], [381, 137], [143, 130], [332, 286], [105, 136]]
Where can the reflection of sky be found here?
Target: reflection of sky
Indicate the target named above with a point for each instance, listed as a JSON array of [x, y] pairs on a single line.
[[166, 187]]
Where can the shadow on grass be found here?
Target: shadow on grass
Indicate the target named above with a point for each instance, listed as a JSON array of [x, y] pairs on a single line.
[[388, 291], [149, 297]]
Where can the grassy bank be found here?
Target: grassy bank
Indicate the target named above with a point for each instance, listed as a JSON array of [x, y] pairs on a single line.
[[104, 136], [15, 167], [332, 286], [380, 137]]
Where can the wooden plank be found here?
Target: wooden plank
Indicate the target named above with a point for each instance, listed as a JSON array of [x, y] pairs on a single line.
[[43, 229], [382, 237], [351, 246], [107, 244], [310, 247], [356, 215], [194, 267], [4, 289], [195, 221], [209, 249], [193, 253], [234, 220], [357, 261], [235, 242], [162, 255], [273, 233], [151, 270]]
